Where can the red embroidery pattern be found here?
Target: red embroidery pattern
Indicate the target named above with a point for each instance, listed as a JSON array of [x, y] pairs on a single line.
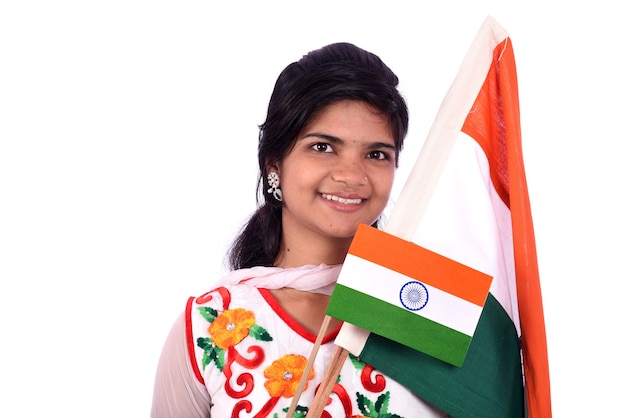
[[207, 297], [366, 379], [244, 379], [344, 398]]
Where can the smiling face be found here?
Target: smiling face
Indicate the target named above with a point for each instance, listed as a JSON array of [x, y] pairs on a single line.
[[338, 174]]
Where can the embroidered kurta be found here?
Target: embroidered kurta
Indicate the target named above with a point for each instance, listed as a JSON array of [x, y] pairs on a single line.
[[250, 354]]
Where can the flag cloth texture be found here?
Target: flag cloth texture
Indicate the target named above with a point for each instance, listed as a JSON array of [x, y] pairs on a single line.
[[428, 302], [466, 198]]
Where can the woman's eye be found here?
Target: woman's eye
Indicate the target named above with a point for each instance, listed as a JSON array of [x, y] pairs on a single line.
[[378, 155], [322, 147]]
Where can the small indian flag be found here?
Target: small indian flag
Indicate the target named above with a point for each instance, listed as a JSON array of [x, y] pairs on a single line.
[[404, 292]]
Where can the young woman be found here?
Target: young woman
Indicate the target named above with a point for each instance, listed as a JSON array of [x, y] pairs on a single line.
[[327, 155]]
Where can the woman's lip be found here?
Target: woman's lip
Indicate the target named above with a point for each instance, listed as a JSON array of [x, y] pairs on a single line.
[[342, 200]]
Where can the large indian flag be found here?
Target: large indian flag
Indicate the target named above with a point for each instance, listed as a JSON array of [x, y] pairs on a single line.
[[466, 199]]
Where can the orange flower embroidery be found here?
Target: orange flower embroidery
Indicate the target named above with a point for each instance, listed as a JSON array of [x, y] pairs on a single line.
[[283, 375], [230, 327]]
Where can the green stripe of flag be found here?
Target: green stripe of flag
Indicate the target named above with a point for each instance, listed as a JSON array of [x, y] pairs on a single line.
[[398, 324]]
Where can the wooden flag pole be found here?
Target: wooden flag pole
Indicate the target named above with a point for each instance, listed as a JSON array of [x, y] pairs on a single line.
[[309, 365], [326, 387]]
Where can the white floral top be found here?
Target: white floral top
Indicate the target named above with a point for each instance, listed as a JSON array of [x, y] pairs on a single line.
[[250, 356]]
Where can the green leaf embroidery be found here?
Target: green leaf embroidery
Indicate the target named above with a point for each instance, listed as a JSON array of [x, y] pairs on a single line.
[[208, 357], [259, 333], [212, 353], [208, 313], [356, 362], [204, 343], [366, 406], [219, 358], [382, 403], [375, 410]]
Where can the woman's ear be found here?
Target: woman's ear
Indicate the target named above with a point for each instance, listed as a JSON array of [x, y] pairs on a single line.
[[272, 166]]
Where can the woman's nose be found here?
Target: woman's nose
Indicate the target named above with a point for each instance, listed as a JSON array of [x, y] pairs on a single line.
[[351, 173]]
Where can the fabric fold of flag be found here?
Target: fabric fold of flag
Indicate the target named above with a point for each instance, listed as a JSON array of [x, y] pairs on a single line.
[[466, 199]]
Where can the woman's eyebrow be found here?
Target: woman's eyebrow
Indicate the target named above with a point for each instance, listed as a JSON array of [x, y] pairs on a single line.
[[329, 138], [378, 145]]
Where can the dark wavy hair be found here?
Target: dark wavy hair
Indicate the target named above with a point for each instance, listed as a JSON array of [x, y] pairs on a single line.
[[333, 73]]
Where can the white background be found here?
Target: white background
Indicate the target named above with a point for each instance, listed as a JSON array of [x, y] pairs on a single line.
[[128, 137]]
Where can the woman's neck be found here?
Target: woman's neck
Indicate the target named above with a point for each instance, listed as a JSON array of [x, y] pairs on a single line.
[[299, 251], [306, 308]]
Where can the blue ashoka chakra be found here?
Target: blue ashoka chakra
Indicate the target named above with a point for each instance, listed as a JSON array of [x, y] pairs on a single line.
[[414, 296]]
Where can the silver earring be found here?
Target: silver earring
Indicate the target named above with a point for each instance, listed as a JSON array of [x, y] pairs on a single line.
[[274, 181]]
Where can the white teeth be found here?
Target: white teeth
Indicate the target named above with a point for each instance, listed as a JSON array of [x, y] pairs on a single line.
[[341, 199]]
